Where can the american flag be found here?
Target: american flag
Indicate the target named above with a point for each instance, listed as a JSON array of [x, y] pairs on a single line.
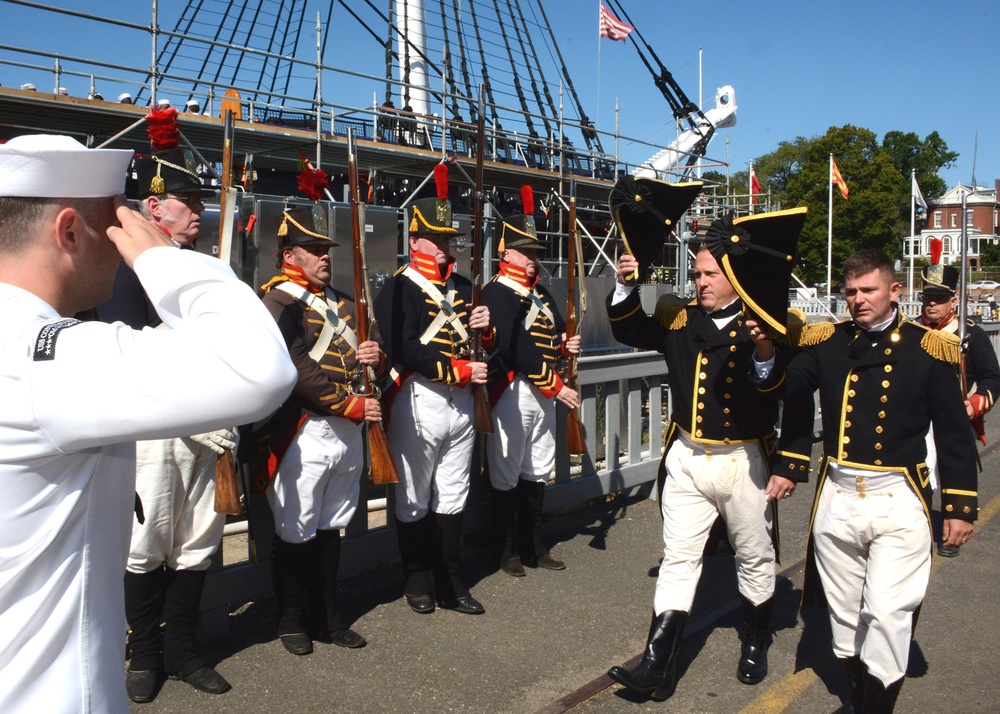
[[612, 27]]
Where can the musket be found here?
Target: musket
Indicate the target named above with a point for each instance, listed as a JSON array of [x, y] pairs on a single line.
[[574, 429], [383, 468], [963, 323], [482, 418], [227, 495]]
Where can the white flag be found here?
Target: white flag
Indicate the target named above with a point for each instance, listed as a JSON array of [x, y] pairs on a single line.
[[918, 197]]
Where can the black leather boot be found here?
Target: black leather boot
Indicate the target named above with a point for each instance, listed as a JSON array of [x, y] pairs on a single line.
[[879, 698], [288, 568], [502, 505], [530, 499], [854, 671], [180, 615], [144, 597], [756, 639], [415, 541], [334, 629], [655, 675], [451, 592]]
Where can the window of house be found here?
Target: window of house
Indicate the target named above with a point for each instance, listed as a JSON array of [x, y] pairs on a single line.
[[945, 245], [968, 218], [937, 219], [954, 220]]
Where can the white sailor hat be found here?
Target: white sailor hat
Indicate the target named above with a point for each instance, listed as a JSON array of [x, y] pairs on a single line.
[[163, 102], [125, 98], [28, 85], [63, 91], [49, 166], [193, 103]]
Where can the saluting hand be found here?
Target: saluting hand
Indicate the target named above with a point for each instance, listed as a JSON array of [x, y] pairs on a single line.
[[573, 344], [480, 318], [627, 269], [373, 409], [764, 345], [136, 234]]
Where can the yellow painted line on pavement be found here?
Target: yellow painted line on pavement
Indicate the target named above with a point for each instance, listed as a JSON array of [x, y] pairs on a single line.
[[788, 688]]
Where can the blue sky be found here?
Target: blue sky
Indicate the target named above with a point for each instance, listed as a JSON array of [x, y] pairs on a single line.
[[797, 68]]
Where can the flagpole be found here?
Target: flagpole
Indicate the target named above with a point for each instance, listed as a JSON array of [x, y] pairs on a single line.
[[829, 241], [913, 226], [598, 64], [750, 182]]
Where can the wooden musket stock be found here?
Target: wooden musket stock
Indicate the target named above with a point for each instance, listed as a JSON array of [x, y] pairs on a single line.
[[382, 465], [574, 429], [227, 495]]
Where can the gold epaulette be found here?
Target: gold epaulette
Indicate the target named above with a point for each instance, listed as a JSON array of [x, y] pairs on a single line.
[[266, 287], [400, 269], [802, 333], [671, 312], [942, 346]]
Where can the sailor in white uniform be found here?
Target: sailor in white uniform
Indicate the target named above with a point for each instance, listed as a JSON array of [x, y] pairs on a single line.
[[78, 394]]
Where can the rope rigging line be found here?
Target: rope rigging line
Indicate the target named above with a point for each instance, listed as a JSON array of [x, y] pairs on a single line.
[[389, 55], [449, 69], [538, 65], [517, 81], [591, 136], [460, 32], [484, 72], [531, 74]]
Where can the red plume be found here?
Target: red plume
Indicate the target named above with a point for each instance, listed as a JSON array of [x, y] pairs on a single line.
[[936, 246], [161, 125], [527, 200], [441, 180], [313, 183]]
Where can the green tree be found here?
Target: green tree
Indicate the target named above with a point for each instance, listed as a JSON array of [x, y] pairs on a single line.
[[877, 214]]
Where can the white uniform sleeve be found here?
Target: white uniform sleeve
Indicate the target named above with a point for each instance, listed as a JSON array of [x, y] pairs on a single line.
[[222, 363]]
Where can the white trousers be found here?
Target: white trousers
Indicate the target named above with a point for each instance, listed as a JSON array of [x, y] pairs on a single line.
[[873, 552], [703, 482], [175, 480], [319, 479], [523, 440], [431, 439]]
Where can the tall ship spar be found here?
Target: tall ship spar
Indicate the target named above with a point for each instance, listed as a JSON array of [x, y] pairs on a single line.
[[414, 104]]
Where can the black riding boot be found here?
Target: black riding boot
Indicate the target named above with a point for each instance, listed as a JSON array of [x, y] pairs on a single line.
[[530, 498], [855, 673], [451, 592], [415, 547], [334, 629], [289, 574], [144, 596], [756, 639], [502, 507], [879, 698], [655, 675], [180, 615]]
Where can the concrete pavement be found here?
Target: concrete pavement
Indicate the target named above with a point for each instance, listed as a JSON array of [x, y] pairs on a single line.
[[546, 640]]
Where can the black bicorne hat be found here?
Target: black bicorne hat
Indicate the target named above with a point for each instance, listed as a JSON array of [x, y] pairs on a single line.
[[169, 171], [757, 254], [646, 211], [303, 226]]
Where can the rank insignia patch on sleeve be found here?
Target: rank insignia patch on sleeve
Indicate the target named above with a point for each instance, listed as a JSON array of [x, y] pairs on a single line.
[[45, 343]]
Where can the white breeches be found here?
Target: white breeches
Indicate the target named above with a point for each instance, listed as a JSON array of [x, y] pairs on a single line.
[[523, 440], [873, 552], [703, 482], [431, 439], [175, 480], [319, 479]]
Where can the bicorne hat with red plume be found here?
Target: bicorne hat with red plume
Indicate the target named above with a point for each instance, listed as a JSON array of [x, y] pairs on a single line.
[[169, 169]]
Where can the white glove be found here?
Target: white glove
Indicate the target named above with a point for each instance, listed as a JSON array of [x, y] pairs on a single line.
[[218, 441]]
